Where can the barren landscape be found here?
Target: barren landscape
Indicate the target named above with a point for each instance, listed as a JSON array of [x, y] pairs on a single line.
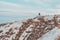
[[38, 28]]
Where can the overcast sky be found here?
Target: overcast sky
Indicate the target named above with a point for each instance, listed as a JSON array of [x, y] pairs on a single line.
[[18, 7]]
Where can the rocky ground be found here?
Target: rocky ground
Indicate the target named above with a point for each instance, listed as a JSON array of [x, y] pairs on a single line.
[[38, 28]]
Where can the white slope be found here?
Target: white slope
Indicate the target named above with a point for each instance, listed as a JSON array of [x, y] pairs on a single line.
[[24, 35], [14, 27], [52, 35], [9, 26]]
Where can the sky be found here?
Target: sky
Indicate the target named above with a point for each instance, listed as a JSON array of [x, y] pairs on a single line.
[[18, 7]]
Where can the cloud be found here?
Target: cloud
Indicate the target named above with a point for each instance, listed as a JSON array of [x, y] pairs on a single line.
[[58, 6], [12, 9], [34, 1], [42, 2], [52, 11]]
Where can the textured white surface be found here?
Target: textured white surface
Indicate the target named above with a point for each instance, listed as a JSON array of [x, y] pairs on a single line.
[[51, 35], [13, 26]]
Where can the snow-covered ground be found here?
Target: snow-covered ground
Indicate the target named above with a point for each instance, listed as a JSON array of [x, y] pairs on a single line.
[[52, 35], [5, 29], [22, 30]]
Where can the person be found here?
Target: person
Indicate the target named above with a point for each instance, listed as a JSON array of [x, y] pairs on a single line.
[[39, 14]]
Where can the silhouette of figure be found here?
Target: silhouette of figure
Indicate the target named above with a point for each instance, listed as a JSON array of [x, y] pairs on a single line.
[[39, 14]]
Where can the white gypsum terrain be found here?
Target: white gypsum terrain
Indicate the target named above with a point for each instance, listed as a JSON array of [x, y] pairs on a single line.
[[39, 28]]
